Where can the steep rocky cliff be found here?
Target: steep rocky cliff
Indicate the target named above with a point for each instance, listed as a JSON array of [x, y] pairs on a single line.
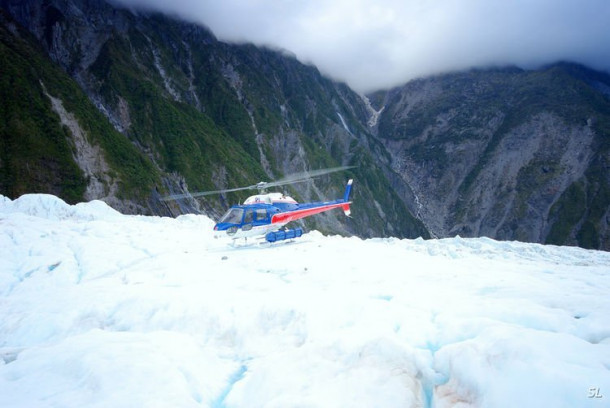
[[509, 154]]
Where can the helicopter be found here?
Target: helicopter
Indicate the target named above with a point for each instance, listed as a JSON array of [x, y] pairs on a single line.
[[265, 215]]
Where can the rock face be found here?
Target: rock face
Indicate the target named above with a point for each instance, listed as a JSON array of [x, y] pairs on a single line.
[[88, 157], [163, 107], [508, 154]]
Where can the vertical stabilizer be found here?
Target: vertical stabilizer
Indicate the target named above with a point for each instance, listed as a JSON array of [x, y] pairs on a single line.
[[348, 190]]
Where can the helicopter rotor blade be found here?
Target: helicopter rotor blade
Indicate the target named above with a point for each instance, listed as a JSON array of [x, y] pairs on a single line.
[[205, 193], [290, 179], [305, 176]]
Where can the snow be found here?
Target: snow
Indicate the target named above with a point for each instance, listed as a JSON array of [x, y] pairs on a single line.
[[99, 309]]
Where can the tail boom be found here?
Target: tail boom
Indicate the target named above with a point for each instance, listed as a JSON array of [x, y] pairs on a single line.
[[305, 210], [286, 217]]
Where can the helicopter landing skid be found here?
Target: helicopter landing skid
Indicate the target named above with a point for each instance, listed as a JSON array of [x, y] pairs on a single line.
[[279, 237]]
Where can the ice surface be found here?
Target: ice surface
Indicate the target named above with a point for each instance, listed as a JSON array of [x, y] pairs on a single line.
[[98, 309]]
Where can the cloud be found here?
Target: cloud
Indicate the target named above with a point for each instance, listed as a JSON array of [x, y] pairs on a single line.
[[378, 44]]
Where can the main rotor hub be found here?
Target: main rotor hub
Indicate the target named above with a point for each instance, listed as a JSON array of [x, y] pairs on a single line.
[[261, 186]]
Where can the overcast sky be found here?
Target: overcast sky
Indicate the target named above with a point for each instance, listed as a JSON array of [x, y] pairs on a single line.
[[374, 44]]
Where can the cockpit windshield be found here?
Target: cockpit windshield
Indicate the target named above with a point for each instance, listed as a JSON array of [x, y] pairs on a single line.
[[233, 216]]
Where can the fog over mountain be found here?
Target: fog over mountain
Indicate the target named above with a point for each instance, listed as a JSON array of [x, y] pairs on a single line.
[[373, 45]]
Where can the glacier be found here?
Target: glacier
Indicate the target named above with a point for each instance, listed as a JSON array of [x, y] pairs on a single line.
[[100, 309]]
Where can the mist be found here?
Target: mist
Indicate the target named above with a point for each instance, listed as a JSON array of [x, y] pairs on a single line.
[[374, 45]]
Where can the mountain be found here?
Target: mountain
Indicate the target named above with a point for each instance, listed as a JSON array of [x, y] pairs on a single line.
[[182, 111], [504, 153], [103, 102]]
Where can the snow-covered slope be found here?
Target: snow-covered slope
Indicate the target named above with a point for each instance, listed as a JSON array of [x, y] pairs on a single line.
[[98, 309]]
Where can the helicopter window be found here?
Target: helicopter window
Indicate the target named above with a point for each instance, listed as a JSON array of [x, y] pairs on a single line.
[[233, 216], [249, 217], [261, 214]]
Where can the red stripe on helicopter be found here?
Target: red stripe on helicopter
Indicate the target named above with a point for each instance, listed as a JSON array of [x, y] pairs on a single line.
[[288, 216]]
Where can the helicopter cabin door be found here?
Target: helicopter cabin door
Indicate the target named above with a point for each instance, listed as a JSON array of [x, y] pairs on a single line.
[[255, 217]]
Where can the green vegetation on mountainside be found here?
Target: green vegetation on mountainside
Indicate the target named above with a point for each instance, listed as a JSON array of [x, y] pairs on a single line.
[[180, 138], [37, 151], [35, 155]]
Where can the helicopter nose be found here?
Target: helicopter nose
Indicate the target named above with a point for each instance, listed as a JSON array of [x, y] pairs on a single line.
[[223, 229], [219, 231]]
